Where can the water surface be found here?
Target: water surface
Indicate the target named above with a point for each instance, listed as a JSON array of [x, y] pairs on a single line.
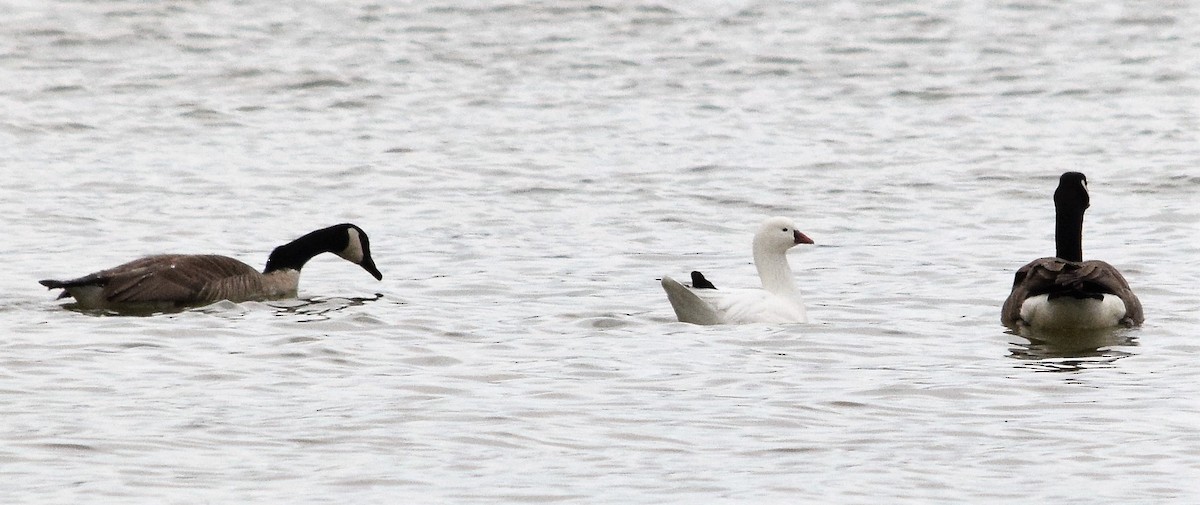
[[527, 171]]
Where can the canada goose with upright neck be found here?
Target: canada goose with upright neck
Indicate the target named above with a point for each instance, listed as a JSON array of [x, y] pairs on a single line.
[[778, 301], [175, 280], [1065, 292]]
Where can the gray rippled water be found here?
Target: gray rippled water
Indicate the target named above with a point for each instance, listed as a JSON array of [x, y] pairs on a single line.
[[527, 171]]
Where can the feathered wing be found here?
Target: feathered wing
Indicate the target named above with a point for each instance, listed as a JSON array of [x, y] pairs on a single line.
[[1103, 274], [733, 306], [688, 306], [1056, 276], [174, 278], [182, 279], [1037, 275]]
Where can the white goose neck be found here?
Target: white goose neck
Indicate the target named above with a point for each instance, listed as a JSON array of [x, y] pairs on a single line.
[[774, 270]]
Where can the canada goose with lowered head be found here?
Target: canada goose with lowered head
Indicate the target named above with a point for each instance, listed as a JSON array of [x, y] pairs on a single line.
[[1065, 292], [174, 280]]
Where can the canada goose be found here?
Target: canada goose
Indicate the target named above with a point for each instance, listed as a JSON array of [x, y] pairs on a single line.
[[1066, 292], [173, 280], [778, 301]]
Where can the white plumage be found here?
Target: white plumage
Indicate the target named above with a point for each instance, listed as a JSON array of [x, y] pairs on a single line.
[[778, 301], [1072, 313]]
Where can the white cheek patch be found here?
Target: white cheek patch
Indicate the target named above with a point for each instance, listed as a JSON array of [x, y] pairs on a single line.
[[353, 251]]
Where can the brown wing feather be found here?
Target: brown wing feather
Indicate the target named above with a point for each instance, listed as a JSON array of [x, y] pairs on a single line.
[[175, 278], [1036, 275], [1045, 275], [1101, 273]]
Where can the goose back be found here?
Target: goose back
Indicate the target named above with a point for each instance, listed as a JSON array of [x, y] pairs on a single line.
[[1057, 277], [166, 278]]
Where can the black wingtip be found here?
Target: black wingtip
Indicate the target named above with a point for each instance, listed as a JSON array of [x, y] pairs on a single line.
[[699, 282]]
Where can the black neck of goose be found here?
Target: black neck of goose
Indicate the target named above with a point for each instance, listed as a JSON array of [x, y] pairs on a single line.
[[293, 255], [1068, 234]]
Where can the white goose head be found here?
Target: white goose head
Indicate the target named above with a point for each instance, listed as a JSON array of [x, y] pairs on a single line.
[[778, 234], [774, 237]]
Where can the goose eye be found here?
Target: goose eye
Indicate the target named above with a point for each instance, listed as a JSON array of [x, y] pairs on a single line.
[[785, 229]]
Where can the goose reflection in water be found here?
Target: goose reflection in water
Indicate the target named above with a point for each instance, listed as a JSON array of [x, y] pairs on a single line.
[[1072, 351], [319, 308]]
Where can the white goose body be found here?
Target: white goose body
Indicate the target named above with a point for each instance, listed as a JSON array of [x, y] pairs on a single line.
[[738, 306], [174, 280], [778, 301]]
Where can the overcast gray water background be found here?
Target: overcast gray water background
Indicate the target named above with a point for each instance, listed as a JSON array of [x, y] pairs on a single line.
[[526, 172]]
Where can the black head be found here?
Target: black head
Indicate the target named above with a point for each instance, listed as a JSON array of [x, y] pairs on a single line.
[[359, 253], [1072, 194], [345, 240]]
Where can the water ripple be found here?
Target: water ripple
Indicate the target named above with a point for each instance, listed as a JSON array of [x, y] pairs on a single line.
[[528, 171]]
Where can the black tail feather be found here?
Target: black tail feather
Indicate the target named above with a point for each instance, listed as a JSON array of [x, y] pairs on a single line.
[[53, 284], [699, 282]]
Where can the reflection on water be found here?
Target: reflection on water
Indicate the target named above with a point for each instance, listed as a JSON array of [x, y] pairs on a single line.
[[138, 310], [319, 308], [1072, 351]]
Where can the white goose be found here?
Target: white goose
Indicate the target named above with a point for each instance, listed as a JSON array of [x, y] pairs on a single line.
[[1065, 292], [778, 301], [175, 280]]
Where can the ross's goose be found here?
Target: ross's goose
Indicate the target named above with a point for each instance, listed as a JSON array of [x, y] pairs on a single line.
[[778, 301]]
